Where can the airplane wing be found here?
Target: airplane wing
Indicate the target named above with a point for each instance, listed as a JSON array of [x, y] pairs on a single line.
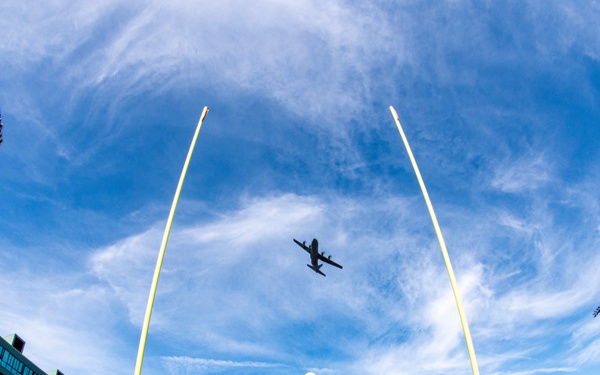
[[328, 260], [302, 245]]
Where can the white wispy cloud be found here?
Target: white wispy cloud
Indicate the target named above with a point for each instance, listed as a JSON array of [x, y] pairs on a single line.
[[217, 292], [234, 262], [186, 365], [417, 303], [313, 60], [526, 173], [248, 306], [556, 370], [298, 53], [67, 322]]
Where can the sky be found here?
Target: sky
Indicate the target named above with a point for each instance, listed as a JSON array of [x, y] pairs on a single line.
[[498, 99]]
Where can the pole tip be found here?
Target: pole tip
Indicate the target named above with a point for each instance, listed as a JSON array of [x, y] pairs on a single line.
[[204, 113]]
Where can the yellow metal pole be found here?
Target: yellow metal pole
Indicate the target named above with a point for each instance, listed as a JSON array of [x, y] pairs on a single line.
[[438, 231], [163, 246]]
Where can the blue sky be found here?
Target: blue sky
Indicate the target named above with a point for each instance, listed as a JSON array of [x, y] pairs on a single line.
[[498, 99]]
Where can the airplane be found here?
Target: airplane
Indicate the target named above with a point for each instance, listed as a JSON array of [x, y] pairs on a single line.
[[315, 256]]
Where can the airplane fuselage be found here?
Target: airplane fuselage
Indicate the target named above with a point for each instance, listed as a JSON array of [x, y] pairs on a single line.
[[314, 253]]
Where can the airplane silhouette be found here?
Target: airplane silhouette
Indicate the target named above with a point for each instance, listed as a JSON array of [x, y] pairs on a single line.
[[315, 256]]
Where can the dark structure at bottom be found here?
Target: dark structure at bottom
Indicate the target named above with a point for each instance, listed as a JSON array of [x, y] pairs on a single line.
[[13, 362]]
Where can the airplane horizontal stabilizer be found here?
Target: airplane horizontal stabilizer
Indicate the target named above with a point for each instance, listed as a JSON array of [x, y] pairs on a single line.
[[316, 269]]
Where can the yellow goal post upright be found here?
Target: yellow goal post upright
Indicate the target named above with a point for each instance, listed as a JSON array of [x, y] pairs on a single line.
[[438, 232], [163, 246]]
